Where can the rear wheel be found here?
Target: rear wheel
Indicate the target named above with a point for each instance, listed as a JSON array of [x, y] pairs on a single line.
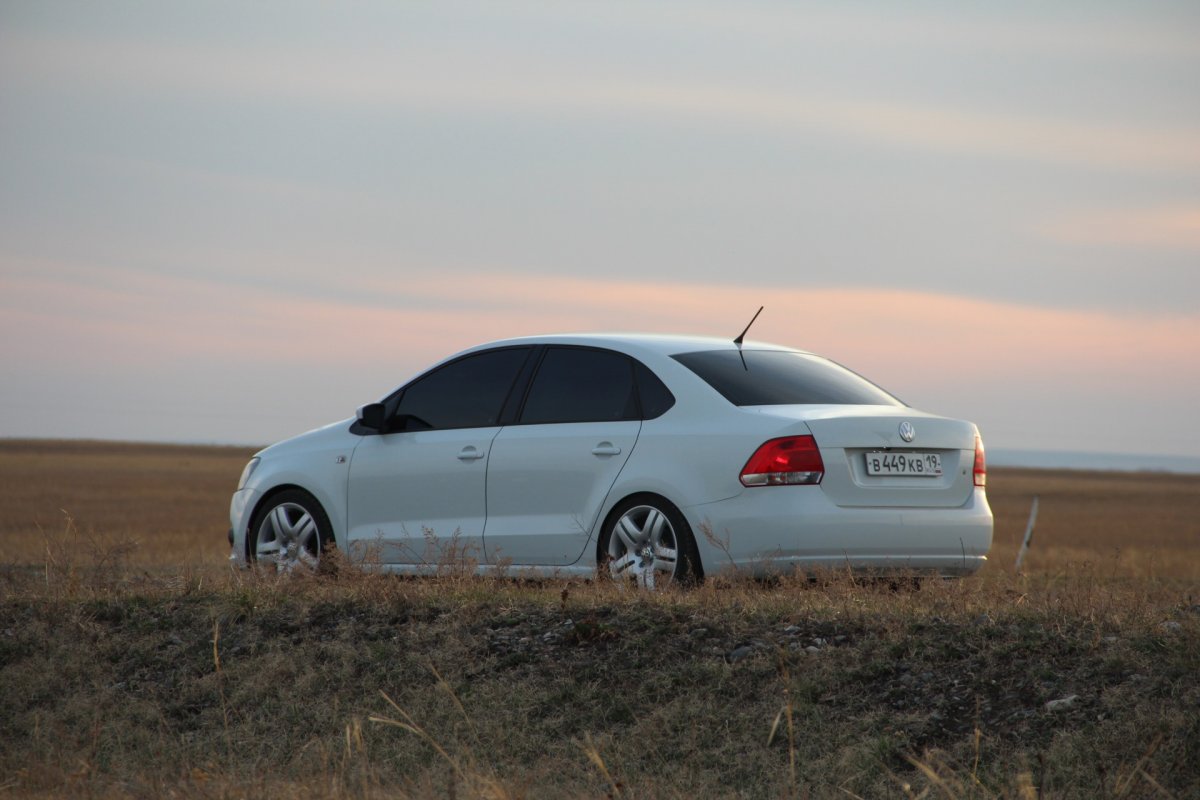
[[648, 543], [290, 532]]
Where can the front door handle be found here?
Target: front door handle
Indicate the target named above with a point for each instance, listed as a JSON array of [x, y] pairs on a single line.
[[469, 453], [606, 449]]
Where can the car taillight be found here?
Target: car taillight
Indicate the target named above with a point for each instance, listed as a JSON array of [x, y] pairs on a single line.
[[980, 463], [787, 461]]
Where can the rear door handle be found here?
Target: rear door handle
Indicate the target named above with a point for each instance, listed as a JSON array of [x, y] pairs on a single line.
[[469, 453], [606, 449]]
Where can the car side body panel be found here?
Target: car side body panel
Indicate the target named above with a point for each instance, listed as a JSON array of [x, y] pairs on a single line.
[[419, 497], [546, 485], [547, 500]]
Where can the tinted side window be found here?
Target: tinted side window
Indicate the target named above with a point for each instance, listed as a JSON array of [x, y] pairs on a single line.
[[656, 398], [575, 385], [772, 378], [467, 393]]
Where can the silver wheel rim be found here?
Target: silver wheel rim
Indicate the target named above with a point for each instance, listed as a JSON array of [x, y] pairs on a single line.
[[288, 538], [643, 548]]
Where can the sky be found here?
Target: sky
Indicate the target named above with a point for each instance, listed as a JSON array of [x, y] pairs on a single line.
[[233, 222]]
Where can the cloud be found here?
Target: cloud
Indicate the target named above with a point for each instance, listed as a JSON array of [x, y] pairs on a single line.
[[1174, 228], [422, 78], [217, 362], [951, 28], [886, 331], [118, 316]]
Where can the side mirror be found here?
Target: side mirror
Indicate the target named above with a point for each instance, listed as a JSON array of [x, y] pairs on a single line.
[[373, 416]]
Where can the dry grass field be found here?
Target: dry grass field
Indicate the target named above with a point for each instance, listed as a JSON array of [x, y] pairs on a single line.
[[169, 503], [135, 663]]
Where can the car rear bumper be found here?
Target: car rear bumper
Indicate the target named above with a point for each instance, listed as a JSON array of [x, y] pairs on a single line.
[[780, 528]]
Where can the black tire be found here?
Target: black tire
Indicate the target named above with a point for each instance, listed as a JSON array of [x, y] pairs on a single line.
[[291, 531], [646, 540]]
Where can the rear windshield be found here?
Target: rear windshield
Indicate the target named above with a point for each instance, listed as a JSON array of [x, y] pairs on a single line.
[[779, 378]]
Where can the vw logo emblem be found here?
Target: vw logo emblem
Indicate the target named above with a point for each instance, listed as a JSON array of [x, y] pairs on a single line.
[[907, 431]]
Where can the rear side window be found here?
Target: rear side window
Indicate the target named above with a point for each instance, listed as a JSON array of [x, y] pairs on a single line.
[[656, 398], [578, 385], [776, 378], [467, 393]]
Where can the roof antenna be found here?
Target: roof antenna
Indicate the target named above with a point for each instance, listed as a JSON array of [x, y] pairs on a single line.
[[742, 335]]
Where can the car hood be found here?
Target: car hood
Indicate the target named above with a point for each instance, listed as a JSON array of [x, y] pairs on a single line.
[[333, 435]]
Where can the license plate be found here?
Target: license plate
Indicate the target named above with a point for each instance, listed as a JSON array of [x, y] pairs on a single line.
[[920, 465]]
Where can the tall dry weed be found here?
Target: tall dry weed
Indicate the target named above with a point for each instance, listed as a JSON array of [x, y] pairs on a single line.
[[76, 562]]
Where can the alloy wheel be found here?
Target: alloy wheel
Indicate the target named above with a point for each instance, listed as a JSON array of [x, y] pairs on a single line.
[[643, 548], [289, 538]]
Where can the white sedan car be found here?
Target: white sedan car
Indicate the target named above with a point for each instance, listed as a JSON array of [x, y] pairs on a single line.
[[655, 458]]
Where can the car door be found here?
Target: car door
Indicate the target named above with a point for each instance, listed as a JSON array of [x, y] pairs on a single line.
[[417, 493], [549, 473]]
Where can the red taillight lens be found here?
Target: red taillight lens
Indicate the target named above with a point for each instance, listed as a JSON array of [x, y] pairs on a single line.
[[980, 463], [782, 462]]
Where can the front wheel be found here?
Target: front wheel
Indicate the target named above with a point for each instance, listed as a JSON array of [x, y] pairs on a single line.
[[647, 542], [290, 532]]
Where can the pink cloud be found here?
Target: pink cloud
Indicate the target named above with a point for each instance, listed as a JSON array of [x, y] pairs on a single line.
[[868, 326], [1174, 228], [897, 338]]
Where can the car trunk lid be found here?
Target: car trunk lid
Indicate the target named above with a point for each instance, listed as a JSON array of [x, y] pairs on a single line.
[[850, 435]]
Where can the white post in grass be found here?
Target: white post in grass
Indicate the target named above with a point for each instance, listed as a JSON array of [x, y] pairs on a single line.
[[1028, 534]]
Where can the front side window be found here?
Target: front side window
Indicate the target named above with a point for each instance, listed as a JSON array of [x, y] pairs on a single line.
[[779, 377], [467, 393], [578, 385]]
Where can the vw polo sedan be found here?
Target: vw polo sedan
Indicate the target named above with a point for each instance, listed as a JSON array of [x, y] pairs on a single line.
[[651, 458]]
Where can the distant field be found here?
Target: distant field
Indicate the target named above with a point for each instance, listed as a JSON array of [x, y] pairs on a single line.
[[172, 501], [135, 663], [1119, 524]]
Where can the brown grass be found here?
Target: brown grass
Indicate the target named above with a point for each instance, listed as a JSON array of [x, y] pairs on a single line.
[[135, 663], [1142, 525], [170, 501]]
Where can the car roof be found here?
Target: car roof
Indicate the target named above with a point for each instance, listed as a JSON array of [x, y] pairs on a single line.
[[663, 344]]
